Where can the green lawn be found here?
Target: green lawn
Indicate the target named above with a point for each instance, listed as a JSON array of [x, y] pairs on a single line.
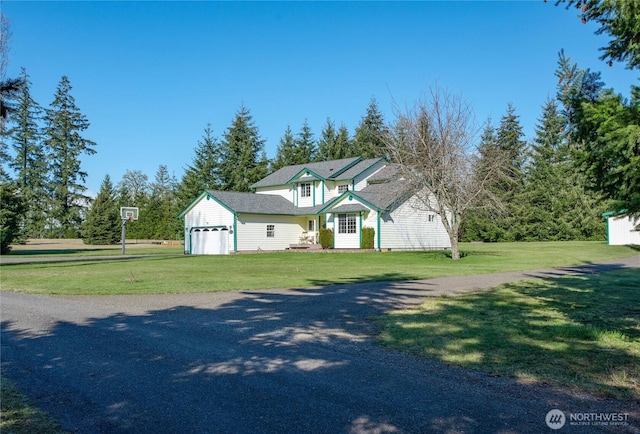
[[172, 274], [580, 332]]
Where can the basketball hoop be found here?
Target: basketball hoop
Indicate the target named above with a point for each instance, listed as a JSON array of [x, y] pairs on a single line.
[[127, 214]]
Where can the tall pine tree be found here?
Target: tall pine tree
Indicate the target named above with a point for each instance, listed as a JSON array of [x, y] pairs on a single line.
[[368, 139], [305, 145], [64, 125], [204, 171], [103, 224], [286, 151], [29, 162], [244, 161]]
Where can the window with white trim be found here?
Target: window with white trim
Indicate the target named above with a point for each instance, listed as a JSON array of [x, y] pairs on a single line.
[[346, 223], [432, 218], [271, 231], [305, 190], [342, 188]]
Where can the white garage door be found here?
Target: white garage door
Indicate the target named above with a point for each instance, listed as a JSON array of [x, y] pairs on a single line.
[[213, 241]]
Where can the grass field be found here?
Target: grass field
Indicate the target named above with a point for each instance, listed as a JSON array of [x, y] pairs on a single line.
[[172, 274], [580, 332]]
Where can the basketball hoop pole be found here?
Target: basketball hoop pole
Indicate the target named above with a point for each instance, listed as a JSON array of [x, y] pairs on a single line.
[[124, 234], [127, 214]]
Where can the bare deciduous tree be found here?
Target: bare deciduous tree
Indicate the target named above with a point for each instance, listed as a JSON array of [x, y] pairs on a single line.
[[434, 145]]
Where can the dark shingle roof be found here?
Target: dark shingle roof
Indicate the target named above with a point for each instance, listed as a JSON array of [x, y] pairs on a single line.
[[323, 169], [350, 207], [357, 169], [388, 173], [384, 194], [254, 203]]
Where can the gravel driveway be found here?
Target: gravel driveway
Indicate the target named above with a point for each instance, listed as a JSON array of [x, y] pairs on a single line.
[[285, 361]]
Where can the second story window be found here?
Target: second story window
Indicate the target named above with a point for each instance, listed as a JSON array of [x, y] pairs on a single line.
[[305, 190], [342, 188]]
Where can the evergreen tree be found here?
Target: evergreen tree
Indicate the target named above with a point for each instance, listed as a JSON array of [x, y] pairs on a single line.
[[335, 145], [29, 163], [369, 134], [554, 204], [158, 218], [486, 218], [305, 145], [103, 224], [344, 144], [327, 144], [10, 212], [509, 140], [63, 127], [286, 152], [244, 161], [605, 134], [204, 172]]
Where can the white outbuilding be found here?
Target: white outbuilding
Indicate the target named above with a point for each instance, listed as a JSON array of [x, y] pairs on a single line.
[[622, 229]]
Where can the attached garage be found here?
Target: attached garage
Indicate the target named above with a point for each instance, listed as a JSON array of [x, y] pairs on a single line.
[[209, 241]]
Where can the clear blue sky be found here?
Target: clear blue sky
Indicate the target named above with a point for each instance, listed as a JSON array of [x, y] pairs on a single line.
[[150, 76]]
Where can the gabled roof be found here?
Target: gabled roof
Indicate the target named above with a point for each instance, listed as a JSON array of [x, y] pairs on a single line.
[[251, 203], [390, 172], [322, 170], [357, 169]]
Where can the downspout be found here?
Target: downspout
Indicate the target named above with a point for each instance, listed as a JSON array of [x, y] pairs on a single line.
[[378, 230], [235, 232]]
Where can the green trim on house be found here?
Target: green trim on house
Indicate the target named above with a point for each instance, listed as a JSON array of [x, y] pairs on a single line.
[[378, 230], [342, 196], [191, 204], [614, 213], [294, 180], [235, 232]]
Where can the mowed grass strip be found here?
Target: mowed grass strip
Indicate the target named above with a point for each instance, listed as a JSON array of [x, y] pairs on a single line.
[[156, 275], [580, 332]]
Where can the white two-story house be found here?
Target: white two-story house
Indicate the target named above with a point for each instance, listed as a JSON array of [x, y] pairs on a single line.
[[290, 206]]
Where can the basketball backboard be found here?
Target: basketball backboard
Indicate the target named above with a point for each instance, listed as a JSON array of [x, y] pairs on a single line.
[[128, 213]]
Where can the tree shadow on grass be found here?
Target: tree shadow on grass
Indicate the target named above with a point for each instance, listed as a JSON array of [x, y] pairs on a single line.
[[257, 361], [580, 331]]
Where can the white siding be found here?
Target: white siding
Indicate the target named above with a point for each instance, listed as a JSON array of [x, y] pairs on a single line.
[[622, 231], [408, 228], [206, 213], [285, 191], [252, 231]]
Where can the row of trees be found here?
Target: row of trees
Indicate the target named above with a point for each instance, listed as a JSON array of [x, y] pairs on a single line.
[[530, 191]]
